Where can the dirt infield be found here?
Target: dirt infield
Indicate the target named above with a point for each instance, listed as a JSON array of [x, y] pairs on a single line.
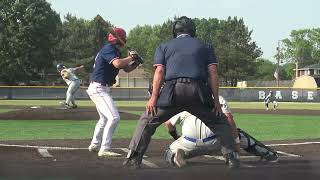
[[57, 113], [297, 161], [90, 113]]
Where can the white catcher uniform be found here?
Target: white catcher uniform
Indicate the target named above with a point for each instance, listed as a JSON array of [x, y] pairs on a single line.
[[195, 134], [73, 83], [197, 139]]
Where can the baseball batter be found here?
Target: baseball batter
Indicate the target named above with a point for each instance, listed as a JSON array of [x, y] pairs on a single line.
[[106, 68], [73, 82], [197, 139], [270, 98]]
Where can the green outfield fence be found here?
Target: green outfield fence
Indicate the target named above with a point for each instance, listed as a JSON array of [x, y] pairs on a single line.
[[285, 94]]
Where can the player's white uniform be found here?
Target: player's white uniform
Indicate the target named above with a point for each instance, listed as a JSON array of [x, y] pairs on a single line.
[[108, 112], [196, 135], [73, 83]]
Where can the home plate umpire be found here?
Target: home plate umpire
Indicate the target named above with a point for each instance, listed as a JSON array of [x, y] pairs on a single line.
[[189, 70]]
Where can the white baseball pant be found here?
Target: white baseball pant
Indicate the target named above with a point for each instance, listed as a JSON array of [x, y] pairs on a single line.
[[71, 92], [203, 148], [108, 112]]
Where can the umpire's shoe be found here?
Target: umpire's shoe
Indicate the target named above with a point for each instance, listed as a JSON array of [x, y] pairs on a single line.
[[232, 160], [133, 160]]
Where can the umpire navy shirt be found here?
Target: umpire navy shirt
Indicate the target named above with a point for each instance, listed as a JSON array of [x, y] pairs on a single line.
[[103, 70], [185, 56]]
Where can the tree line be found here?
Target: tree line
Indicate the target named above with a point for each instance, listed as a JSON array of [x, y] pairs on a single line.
[[33, 39]]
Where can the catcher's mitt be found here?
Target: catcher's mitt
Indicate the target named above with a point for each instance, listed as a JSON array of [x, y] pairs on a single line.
[[65, 74]]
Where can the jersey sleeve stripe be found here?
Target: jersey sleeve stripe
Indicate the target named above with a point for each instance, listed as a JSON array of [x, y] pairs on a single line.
[[156, 65], [212, 64], [113, 59]]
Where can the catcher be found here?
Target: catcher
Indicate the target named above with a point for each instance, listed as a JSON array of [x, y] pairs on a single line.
[[73, 82], [197, 139]]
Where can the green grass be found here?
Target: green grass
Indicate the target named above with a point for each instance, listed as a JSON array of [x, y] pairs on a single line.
[[56, 103], [61, 129], [263, 127], [240, 105], [280, 127], [139, 113], [6, 110], [41, 102], [282, 105]]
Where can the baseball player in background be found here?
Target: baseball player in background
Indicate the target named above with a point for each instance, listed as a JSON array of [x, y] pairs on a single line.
[[270, 98], [106, 68], [73, 82], [197, 139]]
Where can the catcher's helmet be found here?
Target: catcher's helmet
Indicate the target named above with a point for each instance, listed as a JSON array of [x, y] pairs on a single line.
[[121, 33], [60, 67], [183, 25]]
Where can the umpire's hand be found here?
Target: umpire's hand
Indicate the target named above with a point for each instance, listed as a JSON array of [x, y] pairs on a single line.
[[151, 106]]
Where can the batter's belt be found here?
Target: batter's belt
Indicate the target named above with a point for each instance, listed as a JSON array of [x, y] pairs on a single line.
[[194, 140]]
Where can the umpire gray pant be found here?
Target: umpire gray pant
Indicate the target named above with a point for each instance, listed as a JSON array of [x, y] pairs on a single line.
[[186, 98]]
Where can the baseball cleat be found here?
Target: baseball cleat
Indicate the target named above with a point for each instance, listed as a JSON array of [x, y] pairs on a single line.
[[133, 160], [179, 158], [64, 104], [108, 154], [74, 106], [94, 148]]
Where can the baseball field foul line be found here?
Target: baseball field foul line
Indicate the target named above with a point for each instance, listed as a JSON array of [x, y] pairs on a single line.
[[294, 144], [288, 154]]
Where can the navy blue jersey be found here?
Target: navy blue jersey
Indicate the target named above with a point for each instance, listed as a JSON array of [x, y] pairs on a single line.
[[103, 71], [185, 57]]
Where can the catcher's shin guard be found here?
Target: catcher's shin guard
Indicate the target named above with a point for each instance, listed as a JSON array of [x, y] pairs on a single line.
[[169, 156], [257, 148]]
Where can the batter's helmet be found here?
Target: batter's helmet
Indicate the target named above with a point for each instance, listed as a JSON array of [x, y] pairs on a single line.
[[60, 67], [183, 25], [121, 33]]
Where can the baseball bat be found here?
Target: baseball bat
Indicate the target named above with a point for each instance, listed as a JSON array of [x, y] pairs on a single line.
[[111, 31]]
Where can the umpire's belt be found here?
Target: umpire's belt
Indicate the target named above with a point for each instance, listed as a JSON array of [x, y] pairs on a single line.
[[187, 80], [194, 140]]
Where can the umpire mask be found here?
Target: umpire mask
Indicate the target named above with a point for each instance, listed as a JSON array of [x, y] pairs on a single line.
[[183, 25]]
